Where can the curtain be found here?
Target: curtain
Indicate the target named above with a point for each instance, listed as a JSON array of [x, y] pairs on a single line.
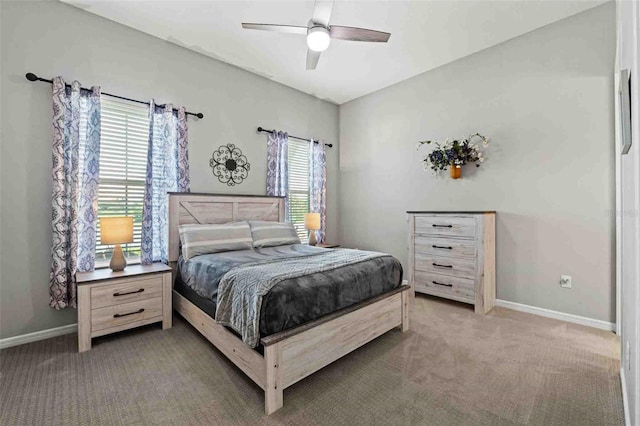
[[167, 171], [318, 185], [278, 167], [75, 173]]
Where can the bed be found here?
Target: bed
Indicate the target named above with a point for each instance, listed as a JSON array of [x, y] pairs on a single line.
[[308, 338]]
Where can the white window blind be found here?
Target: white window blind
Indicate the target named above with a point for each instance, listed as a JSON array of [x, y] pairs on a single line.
[[124, 138], [299, 185]]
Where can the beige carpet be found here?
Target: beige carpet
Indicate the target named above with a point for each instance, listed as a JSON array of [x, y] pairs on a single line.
[[453, 367]]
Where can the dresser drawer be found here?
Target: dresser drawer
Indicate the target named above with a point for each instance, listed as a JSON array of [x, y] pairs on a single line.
[[125, 291], [444, 247], [447, 226], [117, 315], [457, 267], [444, 285]]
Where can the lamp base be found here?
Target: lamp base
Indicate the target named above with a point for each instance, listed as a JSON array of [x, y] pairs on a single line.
[[312, 238], [118, 262]]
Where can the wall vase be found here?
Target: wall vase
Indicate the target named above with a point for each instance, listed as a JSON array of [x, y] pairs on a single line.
[[455, 172]]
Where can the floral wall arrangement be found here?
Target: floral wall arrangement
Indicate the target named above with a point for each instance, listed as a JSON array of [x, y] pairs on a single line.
[[453, 154]]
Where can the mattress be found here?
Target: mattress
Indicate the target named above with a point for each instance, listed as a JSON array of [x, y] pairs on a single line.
[[295, 301], [205, 305]]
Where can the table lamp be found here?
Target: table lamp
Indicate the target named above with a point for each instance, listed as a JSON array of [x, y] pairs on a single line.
[[312, 223], [116, 230]]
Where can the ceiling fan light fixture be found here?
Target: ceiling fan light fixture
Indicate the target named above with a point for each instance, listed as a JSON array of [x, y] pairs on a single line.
[[318, 39]]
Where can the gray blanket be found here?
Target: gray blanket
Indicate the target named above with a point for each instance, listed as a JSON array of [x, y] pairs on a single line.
[[241, 289], [203, 273]]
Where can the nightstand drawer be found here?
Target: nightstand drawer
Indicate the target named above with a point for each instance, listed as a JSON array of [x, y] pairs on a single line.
[[125, 291], [117, 315]]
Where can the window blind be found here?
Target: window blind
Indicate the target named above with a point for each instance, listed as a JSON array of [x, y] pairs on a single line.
[[124, 138], [299, 185]]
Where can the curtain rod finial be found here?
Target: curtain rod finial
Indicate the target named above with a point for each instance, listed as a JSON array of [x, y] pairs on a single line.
[[200, 115], [31, 76]]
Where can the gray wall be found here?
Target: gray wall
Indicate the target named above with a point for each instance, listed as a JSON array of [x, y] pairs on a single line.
[[51, 38], [546, 100]]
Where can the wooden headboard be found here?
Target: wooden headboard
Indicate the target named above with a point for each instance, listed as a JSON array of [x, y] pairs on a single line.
[[189, 207]]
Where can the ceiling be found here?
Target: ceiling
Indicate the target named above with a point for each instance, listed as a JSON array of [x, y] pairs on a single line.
[[425, 34]]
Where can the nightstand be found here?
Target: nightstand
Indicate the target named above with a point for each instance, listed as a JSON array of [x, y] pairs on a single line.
[[114, 301], [327, 245]]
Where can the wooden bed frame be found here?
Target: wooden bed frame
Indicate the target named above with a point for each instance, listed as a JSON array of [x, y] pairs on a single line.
[[293, 354]]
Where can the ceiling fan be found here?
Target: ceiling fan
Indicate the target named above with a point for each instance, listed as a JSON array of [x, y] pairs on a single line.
[[319, 33]]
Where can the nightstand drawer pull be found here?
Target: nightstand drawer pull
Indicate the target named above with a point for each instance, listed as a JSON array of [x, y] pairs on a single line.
[[128, 292], [442, 266], [139, 311], [442, 226], [446, 285], [442, 247]]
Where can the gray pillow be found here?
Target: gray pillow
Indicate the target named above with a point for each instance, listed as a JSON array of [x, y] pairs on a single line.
[[269, 234], [214, 238]]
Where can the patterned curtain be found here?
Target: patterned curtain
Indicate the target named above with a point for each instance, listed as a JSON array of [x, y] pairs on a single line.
[[167, 171], [318, 185], [75, 172], [278, 167]]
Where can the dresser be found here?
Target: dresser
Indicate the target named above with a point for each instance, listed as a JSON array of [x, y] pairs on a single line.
[[114, 301], [452, 255]]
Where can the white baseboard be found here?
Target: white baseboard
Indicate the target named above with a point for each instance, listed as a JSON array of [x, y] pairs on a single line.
[[625, 400], [72, 328], [38, 335], [577, 319]]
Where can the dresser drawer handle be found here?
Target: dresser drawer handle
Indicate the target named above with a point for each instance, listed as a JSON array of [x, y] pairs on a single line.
[[442, 247], [129, 292], [442, 226], [139, 311], [442, 266], [446, 285]]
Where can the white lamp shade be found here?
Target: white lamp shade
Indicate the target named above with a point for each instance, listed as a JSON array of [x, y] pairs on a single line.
[[312, 221], [116, 230]]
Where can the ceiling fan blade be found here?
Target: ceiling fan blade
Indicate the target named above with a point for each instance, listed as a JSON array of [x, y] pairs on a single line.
[[291, 29], [322, 12], [312, 59], [358, 34]]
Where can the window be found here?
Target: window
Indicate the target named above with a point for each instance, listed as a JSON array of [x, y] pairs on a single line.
[[299, 185], [124, 137]]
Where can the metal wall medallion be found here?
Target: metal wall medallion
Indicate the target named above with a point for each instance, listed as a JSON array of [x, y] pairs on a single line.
[[229, 165]]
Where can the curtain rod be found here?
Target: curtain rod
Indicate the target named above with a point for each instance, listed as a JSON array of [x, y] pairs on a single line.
[[261, 130], [32, 77]]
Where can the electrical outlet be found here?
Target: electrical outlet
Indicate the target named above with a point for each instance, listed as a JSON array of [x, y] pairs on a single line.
[[565, 281]]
